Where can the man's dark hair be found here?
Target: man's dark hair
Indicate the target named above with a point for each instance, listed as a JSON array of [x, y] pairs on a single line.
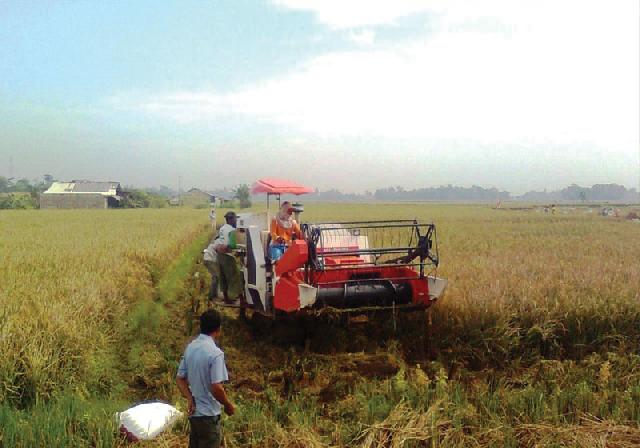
[[230, 216], [209, 321]]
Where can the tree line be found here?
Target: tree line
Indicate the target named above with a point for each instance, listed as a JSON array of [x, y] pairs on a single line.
[[23, 194], [444, 193]]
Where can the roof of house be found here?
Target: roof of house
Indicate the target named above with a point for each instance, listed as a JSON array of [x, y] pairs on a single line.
[[61, 187], [197, 190], [103, 188]]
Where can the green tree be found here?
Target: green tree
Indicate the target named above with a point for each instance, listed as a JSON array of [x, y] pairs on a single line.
[[135, 199], [47, 180], [241, 193], [142, 199], [23, 186], [17, 201]]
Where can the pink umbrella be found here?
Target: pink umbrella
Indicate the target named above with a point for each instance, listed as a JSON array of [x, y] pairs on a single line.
[[279, 186]]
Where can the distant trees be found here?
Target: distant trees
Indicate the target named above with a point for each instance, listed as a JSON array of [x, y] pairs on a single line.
[[9, 185], [162, 190], [607, 192], [142, 199], [4, 184], [22, 193], [243, 195], [442, 193], [598, 192], [334, 195], [574, 193], [17, 201], [24, 185], [48, 180]]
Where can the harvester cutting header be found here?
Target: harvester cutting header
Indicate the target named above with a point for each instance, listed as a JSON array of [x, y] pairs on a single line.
[[345, 266]]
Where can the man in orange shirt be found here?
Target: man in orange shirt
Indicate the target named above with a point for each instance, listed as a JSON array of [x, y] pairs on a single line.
[[283, 227]]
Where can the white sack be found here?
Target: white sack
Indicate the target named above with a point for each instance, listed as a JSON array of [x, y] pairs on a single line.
[[145, 421]]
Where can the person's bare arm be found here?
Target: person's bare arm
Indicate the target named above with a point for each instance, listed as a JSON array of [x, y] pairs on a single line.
[[183, 386], [219, 394]]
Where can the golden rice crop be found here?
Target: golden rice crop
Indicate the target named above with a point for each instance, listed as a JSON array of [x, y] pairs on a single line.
[[67, 277], [525, 282], [534, 344]]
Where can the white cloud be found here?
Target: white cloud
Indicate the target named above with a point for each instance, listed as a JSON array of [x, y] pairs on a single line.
[[546, 72], [357, 13], [345, 14], [363, 37]]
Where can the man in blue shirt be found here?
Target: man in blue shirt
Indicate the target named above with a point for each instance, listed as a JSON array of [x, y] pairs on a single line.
[[200, 376]]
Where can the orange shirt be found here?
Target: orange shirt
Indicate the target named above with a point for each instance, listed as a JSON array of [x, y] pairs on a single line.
[[277, 231]]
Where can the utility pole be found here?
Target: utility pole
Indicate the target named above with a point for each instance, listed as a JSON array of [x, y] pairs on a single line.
[[179, 190]]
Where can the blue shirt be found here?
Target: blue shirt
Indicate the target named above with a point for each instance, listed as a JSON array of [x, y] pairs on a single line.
[[203, 365]]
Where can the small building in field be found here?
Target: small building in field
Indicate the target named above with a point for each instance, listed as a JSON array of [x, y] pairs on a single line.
[[82, 194], [226, 202], [196, 197]]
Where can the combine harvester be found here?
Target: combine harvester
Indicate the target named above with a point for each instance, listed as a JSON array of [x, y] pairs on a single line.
[[337, 266]]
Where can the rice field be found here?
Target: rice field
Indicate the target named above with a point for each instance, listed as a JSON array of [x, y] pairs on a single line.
[[536, 342], [68, 280]]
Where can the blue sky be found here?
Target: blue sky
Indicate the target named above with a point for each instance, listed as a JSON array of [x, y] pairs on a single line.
[[349, 94], [84, 51]]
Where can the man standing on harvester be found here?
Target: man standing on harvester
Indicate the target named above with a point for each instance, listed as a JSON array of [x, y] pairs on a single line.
[[231, 282]]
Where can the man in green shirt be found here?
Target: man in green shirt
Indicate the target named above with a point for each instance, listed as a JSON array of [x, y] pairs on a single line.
[[231, 282]]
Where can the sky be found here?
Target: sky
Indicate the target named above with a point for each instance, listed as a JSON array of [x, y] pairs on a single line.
[[349, 94]]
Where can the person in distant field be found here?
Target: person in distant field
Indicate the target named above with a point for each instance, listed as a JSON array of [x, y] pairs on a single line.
[[211, 262], [283, 227], [231, 282], [212, 218], [200, 375]]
